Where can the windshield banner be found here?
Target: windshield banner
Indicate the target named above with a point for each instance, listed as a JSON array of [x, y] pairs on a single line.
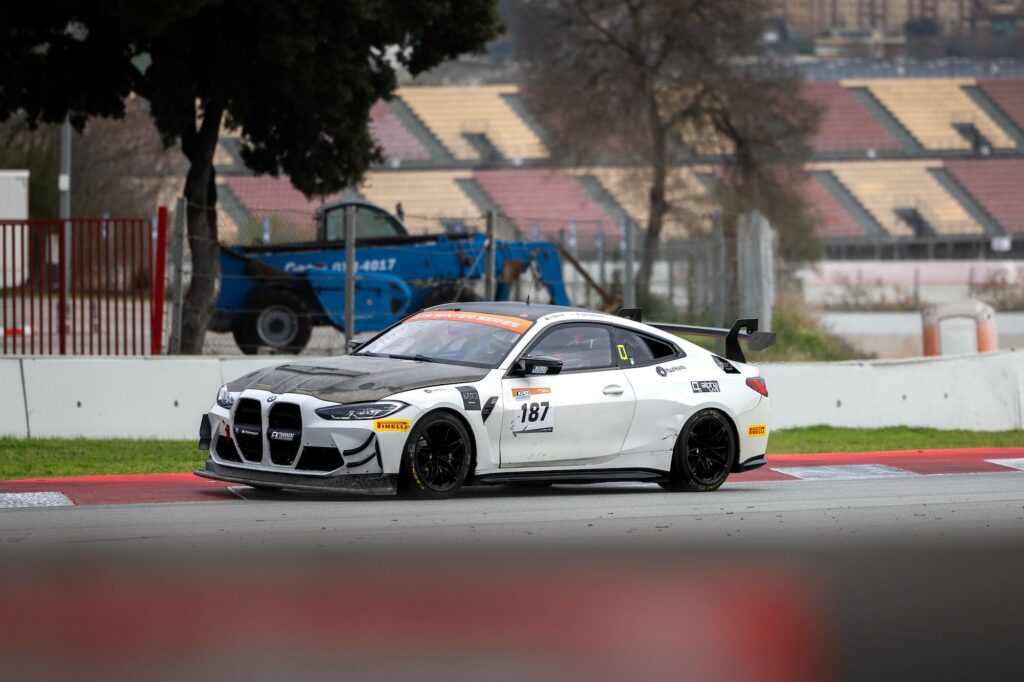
[[513, 324]]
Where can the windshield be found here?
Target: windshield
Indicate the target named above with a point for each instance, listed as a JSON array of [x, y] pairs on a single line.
[[451, 336]]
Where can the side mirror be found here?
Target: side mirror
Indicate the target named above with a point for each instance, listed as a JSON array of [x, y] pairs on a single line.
[[353, 345], [537, 365]]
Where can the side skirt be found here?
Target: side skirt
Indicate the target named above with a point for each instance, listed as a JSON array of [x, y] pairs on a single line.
[[588, 476]]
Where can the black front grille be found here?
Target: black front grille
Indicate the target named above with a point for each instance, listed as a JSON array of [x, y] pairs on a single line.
[[248, 430], [284, 433], [319, 459], [226, 449]]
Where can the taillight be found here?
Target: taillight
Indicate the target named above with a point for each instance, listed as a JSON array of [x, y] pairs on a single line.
[[757, 383]]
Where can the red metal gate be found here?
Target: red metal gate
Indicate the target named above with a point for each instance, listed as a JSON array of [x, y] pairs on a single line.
[[102, 293]]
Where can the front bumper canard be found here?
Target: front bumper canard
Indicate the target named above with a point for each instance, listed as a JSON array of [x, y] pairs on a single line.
[[361, 484]]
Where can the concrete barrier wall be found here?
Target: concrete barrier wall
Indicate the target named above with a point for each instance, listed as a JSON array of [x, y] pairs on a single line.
[[165, 397]]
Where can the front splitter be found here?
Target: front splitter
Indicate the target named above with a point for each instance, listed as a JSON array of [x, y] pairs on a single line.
[[360, 484]]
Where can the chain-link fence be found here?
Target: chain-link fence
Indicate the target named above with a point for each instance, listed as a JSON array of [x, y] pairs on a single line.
[[280, 246]]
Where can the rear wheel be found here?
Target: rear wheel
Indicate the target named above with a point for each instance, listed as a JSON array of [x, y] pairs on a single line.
[[704, 454], [277, 319], [437, 457]]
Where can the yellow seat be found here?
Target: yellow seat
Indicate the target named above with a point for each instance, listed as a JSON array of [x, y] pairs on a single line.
[[453, 112], [929, 108], [883, 187], [428, 198]]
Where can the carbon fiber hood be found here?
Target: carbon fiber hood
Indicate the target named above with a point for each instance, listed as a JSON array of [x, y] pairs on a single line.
[[356, 378]]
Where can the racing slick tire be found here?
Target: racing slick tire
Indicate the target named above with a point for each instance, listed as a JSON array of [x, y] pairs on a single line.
[[437, 457], [704, 454], [448, 292], [276, 319]]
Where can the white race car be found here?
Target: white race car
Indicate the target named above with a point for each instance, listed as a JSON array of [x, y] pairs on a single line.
[[498, 393]]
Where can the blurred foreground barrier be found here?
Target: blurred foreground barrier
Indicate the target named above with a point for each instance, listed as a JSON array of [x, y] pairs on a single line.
[[165, 397]]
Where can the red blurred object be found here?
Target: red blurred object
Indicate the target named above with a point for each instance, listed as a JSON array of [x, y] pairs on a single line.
[[758, 384]]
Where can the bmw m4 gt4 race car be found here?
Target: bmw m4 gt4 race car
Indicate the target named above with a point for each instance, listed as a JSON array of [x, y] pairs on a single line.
[[498, 393]]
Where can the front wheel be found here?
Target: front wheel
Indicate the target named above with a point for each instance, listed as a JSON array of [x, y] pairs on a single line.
[[437, 457], [704, 454]]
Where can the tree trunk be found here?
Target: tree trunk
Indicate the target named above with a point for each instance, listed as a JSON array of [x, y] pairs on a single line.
[[201, 199], [657, 207]]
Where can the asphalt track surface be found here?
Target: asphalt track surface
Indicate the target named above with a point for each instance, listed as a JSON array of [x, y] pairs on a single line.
[[975, 506], [882, 568]]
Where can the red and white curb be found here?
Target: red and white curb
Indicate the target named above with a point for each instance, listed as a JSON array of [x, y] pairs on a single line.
[[844, 466], [34, 499]]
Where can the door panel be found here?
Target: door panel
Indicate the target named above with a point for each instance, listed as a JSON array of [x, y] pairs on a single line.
[[573, 418]]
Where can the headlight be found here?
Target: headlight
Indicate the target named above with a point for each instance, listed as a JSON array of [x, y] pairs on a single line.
[[361, 410], [224, 398]]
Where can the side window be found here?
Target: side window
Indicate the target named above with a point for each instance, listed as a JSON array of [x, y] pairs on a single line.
[[633, 349], [578, 346], [370, 222]]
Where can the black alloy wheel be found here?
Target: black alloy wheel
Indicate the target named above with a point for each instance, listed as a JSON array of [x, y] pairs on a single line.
[[437, 457], [704, 454]]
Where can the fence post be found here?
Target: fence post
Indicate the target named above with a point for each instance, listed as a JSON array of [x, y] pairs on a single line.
[[62, 293], [718, 271], [177, 278], [602, 273], [628, 282], [574, 277], [350, 274], [490, 278], [159, 282]]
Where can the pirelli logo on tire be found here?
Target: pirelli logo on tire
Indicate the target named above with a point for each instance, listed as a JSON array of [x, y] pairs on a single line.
[[391, 425], [757, 430]]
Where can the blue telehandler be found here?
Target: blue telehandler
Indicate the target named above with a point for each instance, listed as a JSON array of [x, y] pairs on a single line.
[[271, 296]]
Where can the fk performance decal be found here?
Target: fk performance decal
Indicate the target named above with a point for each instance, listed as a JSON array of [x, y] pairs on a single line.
[[391, 425], [526, 393], [704, 386]]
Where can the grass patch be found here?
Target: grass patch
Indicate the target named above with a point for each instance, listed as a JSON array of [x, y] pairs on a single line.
[[814, 439], [81, 457]]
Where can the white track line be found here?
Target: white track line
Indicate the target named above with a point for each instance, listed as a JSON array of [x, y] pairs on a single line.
[[40, 499], [1017, 464], [844, 472]]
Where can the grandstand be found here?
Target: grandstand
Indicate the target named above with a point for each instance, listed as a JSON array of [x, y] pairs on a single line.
[[469, 121], [432, 200], [690, 205], [544, 198], [937, 112], [846, 125], [395, 140], [1008, 95], [921, 162], [905, 198], [996, 184]]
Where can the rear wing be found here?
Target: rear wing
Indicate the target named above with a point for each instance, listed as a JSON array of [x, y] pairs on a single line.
[[741, 329]]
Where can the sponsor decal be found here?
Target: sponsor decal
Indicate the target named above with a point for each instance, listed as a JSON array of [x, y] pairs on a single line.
[[704, 386], [665, 371], [525, 393], [271, 398], [391, 425], [470, 398], [534, 417], [243, 431], [512, 324], [282, 435], [757, 430]]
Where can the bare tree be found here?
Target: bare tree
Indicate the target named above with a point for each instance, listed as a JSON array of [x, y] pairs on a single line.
[[118, 167], [662, 82]]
